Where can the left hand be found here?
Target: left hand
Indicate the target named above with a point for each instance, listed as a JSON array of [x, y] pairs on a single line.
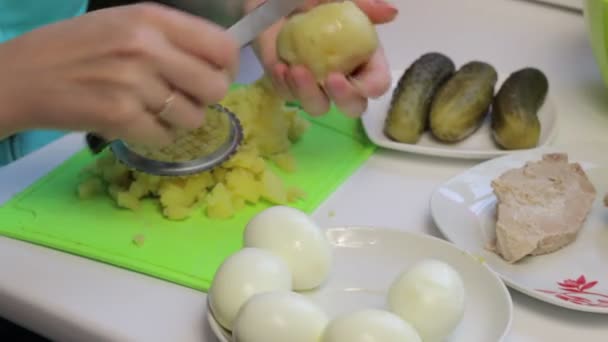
[[350, 93]]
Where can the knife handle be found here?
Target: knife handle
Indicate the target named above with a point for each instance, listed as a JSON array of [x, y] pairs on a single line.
[[96, 143]]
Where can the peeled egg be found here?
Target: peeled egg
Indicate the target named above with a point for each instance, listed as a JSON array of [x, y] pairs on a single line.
[[279, 317], [246, 273], [295, 237], [370, 325], [431, 297]]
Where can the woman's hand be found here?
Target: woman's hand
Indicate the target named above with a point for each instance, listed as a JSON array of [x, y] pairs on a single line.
[[350, 93], [114, 71]]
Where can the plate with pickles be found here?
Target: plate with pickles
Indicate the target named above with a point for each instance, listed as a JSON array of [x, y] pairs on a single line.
[[470, 112]]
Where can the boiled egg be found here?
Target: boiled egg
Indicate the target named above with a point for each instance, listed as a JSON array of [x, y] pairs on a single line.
[[370, 325], [248, 272], [279, 316], [431, 297], [295, 237]]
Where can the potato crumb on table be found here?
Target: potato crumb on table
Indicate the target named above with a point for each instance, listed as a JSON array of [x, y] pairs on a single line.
[[270, 129]]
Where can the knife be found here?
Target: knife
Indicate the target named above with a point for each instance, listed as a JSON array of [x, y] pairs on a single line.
[[244, 30], [261, 18]]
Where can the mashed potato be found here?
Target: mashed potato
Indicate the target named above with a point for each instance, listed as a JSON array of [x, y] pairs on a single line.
[[269, 131]]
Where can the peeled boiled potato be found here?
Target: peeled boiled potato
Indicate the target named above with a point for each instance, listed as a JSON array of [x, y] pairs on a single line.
[[297, 239], [333, 37], [370, 325], [430, 296], [243, 275], [279, 317]]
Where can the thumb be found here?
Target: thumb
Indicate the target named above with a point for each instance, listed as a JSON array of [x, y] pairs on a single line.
[[378, 11]]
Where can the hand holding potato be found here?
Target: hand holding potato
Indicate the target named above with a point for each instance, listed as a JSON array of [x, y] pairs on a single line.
[[329, 53]]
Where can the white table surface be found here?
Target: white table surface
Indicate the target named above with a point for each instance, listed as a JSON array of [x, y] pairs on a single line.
[[70, 298]]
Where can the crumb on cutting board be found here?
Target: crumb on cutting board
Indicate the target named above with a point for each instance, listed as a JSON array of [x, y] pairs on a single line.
[[139, 240]]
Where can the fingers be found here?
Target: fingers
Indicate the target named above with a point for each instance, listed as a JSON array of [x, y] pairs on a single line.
[[148, 87], [146, 131], [194, 78], [195, 36], [350, 94], [378, 11], [304, 87], [279, 75], [374, 78], [346, 97], [120, 115], [180, 113]]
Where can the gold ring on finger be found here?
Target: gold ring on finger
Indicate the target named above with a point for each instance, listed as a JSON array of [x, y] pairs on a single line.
[[167, 106]]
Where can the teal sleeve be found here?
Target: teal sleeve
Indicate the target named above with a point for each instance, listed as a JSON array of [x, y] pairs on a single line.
[[20, 16], [16, 18], [6, 152]]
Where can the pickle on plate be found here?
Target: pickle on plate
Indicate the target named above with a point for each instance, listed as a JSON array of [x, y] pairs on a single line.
[[407, 117], [462, 103], [515, 123]]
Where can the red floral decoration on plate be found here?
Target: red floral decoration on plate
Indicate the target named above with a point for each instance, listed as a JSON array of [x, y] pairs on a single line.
[[579, 291]]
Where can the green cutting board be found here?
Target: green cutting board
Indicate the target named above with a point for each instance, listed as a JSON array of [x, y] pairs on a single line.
[[49, 213]]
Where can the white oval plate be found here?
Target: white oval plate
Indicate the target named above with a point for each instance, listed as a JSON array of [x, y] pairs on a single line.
[[575, 277], [367, 260], [479, 145]]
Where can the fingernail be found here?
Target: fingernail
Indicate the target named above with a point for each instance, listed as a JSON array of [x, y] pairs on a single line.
[[387, 5], [291, 83], [357, 84]]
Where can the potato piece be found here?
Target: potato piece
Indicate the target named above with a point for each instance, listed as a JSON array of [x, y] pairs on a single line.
[[90, 188], [294, 193], [177, 213], [197, 183], [202, 196], [285, 161], [103, 162], [173, 195], [238, 203], [333, 37], [273, 188], [219, 203], [248, 157], [219, 174], [297, 125], [116, 174], [243, 183], [139, 188], [114, 190], [151, 182], [125, 199]]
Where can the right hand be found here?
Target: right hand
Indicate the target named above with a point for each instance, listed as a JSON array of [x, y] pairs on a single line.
[[111, 71], [350, 93]]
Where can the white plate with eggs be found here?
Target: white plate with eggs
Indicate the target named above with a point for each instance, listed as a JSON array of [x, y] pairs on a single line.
[[480, 145], [394, 285]]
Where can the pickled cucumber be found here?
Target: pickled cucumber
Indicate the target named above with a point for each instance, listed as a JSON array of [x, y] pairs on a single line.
[[410, 105], [461, 104], [515, 123]]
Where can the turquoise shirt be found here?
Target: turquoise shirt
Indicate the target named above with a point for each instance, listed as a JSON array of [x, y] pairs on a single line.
[[18, 17]]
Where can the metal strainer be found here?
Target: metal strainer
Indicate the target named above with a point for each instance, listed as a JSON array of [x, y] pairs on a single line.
[[135, 159], [244, 30]]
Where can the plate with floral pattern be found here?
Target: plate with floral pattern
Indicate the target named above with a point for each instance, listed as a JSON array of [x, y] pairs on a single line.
[[574, 277]]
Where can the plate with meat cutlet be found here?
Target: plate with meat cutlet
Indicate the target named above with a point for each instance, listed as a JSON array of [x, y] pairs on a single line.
[[537, 218]]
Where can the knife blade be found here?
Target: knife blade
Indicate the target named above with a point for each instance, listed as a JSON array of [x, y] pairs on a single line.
[[262, 17]]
